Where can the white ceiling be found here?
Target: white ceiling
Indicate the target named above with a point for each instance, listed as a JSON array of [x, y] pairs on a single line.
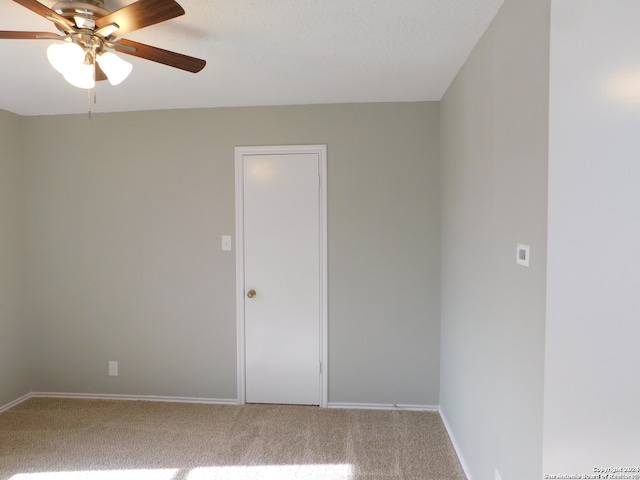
[[262, 52]]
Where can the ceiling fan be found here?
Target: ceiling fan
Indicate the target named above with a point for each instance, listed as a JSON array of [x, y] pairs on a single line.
[[89, 34]]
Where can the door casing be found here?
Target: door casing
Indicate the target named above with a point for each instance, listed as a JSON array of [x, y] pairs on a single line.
[[240, 152]]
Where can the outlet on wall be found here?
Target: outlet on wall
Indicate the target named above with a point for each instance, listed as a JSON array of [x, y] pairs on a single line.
[[113, 369]]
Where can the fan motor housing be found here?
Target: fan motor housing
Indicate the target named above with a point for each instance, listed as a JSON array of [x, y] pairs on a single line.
[[89, 9]]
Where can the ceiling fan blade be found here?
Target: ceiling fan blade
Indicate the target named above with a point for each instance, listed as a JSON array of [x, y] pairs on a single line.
[[45, 12], [155, 54], [28, 35], [141, 14], [99, 73]]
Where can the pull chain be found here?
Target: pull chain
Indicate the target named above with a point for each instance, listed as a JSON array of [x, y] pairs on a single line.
[[95, 100]]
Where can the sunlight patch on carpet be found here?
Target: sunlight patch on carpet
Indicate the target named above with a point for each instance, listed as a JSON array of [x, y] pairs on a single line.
[[137, 474], [274, 472], [258, 472]]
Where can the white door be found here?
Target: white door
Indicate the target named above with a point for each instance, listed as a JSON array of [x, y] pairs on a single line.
[[282, 291]]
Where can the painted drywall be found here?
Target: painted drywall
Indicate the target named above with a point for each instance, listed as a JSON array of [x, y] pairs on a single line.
[[14, 346], [494, 124], [124, 218], [592, 391]]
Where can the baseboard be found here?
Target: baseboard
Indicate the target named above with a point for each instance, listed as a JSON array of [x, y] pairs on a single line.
[[148, 398], [210, 401], [15, 402], [383, 406], [456, 447], [108, 396]]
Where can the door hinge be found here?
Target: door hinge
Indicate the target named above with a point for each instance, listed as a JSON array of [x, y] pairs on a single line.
[[320, 367]]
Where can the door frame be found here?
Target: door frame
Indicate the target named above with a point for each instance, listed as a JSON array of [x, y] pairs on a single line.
[[240, 152]]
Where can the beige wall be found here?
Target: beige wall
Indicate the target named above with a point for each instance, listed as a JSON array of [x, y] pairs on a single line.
[[14, 346], [494, 195], [123, 239]]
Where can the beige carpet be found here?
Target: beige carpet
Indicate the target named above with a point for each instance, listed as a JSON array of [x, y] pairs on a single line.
[[56, 439]]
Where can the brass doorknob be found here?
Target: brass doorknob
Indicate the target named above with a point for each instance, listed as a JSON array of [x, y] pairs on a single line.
[[251, 293]]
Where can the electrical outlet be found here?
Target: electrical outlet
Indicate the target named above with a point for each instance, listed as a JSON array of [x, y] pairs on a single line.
[[497, 475], [113, 369]]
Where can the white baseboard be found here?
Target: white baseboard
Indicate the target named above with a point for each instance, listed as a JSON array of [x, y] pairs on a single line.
[[15, 402], [148, 398], [109, 396], [456, 447], [210, 401], [384, 406]]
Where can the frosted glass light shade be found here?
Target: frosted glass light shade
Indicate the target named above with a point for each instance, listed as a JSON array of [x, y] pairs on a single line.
[[81, 76], [63, 56], [116, 69]]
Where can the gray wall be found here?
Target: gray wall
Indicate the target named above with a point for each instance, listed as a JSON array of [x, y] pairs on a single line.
[[123, 241], [494, 195], [593, 308], [14, 346]]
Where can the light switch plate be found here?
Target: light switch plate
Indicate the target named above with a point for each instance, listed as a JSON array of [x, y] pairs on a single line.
[[226, 243], [522, 255]]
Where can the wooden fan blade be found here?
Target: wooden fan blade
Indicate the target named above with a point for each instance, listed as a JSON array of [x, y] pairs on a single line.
[[28, 35], [155, 54], [141, 14], [44, 11], [99, 73]]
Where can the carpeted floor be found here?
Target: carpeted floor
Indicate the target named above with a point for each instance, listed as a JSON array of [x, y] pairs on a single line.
[[63, 439]]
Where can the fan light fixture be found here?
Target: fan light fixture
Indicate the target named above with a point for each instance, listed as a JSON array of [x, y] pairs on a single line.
[[77, 65], [116, 69], [88, 34], [81, 76]]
